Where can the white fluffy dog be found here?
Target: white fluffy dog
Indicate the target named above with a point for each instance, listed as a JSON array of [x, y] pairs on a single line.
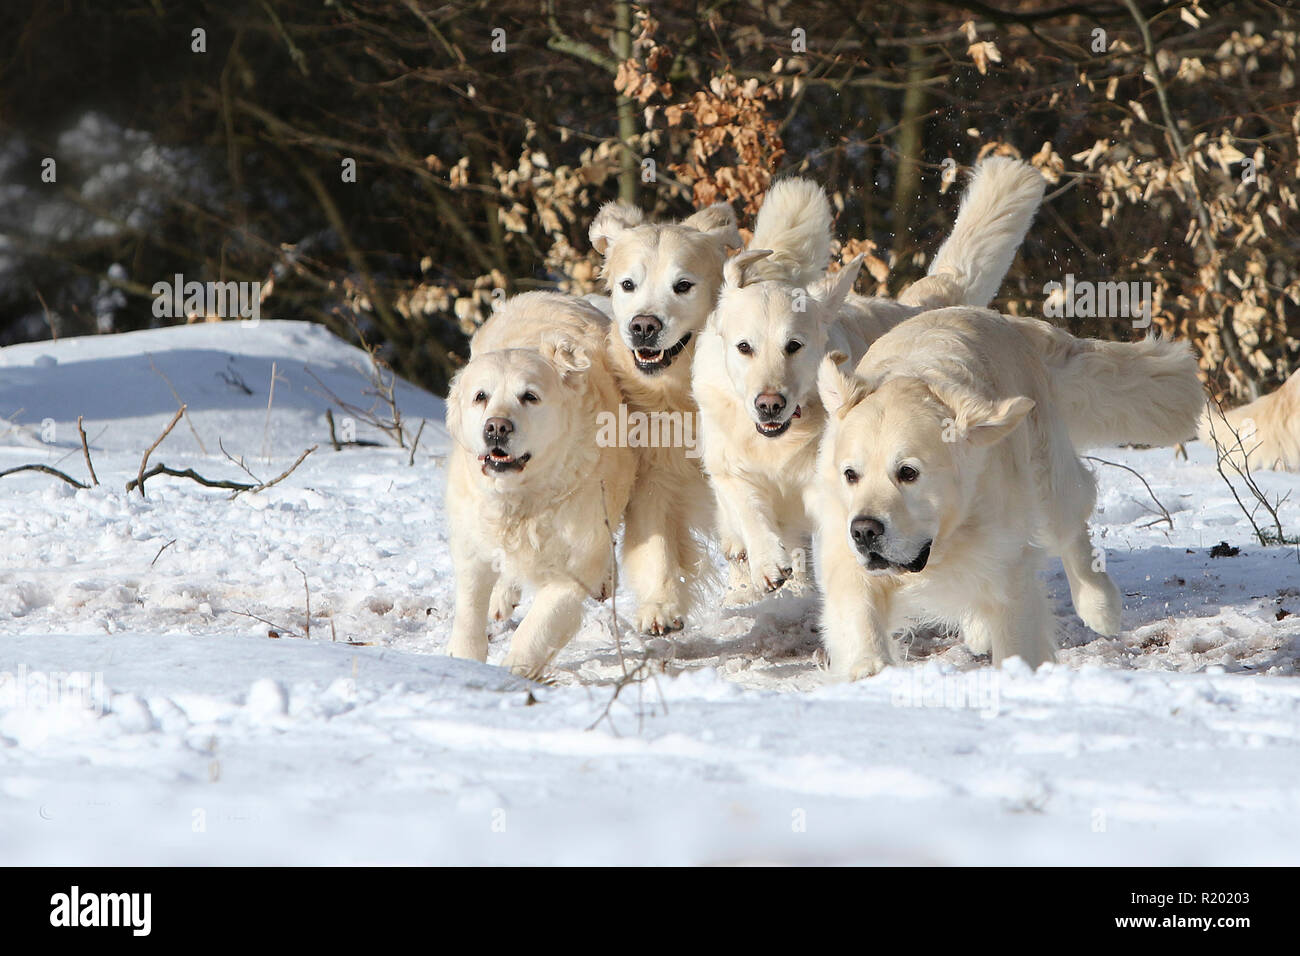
[[1264, 434], [778, 314], [530, 486], [948, 465], [663, 279]]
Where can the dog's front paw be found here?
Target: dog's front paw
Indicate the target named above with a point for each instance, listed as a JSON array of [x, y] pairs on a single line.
[[524, 665], [505, 598], [859, 668], [769, 573], [1099, 606], [468, 646], [658, 619]]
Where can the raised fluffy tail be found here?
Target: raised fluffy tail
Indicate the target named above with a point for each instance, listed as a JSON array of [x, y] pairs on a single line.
[[995, 213], [795, 223], [1110, 393]]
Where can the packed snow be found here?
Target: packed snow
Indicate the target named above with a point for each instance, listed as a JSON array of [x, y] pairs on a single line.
[[165, 698]]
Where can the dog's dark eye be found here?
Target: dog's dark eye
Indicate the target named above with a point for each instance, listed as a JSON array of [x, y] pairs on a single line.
[[683, 286], [529, 398], [792, 346], [744, 348], [851, 476], [627, 285], [907, 474], [480, 398]]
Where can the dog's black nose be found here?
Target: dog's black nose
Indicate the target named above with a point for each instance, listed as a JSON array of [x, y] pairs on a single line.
[[644, 329], [770, 405], [497, 430], [866, 532]]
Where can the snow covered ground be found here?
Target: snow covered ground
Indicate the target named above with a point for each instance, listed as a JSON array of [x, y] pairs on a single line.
[[148, 715]]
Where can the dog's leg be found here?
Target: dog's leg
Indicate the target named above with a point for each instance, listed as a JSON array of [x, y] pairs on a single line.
[[474, 580], [549, 624], [1017, 622], [855, 622], [1096, 598], [506, 595], [801, 576], [748, 512], [1074, 495], [654, 539], [732, 542]]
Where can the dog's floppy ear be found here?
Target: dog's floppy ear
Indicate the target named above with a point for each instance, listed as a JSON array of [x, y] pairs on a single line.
[[453, 408], [568, 356], [832, 290], [982, 421], [718, 222], [735, 271], [614, 218], [836, 390]]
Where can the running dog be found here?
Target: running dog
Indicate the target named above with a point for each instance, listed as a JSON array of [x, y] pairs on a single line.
[[663, 279], [778, 314], [533, 494], [948, 466]]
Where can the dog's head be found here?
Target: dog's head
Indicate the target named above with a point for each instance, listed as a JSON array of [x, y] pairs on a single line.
[[663, 278], [774, 337], [901, 460], [514, 409]]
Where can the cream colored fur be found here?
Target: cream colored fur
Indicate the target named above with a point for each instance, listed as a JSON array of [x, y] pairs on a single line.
[[787, 317], [540, 363], [645, 267], [1262, 435], [953, 437]]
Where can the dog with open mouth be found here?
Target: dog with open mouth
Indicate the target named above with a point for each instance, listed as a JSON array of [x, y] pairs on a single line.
[[530, 487], [663, 279], [778, 314], [948, 467]]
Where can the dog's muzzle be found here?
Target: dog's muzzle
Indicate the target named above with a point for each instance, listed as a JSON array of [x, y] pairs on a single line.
[[499, 461], [651, 361], [775, 429], [868, 538]]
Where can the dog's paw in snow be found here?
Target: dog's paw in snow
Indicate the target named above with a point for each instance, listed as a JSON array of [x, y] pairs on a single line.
[[868, 666], [1099, 606], [769, 573], [658, 620], [505, 598]]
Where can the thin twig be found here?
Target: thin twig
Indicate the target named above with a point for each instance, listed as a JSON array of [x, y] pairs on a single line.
[[266, 428], [47, 470], [307, 591], [329, 417], [1164, 512], [160, 551], [238, 487], [1229, 454], [238, 462], [139, 480], [275, 627], [416, 444], [85, 450]]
